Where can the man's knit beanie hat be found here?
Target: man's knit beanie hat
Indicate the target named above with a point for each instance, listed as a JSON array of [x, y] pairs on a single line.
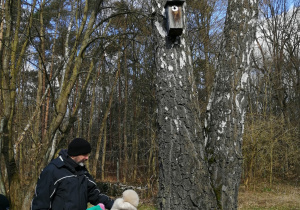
[[79, 146]]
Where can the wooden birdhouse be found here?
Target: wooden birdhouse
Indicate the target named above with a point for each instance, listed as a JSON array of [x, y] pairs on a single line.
[[174, 15]]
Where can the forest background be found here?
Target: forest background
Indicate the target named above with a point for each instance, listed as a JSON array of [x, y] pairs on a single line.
[[69, 70]]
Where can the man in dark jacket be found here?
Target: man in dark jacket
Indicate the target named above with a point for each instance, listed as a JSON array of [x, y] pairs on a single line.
[[65, 184]]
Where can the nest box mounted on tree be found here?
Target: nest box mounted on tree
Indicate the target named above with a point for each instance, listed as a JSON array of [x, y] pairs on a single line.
[[174, 14]]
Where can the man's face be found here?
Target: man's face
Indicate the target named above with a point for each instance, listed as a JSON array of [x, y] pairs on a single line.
[[80, 159]]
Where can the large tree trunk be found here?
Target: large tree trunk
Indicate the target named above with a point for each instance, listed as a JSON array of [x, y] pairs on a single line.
[[184, 181], [228, 103]]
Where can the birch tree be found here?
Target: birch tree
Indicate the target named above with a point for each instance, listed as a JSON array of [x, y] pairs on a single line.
[[228, 102], [197, 172], [184, 181]]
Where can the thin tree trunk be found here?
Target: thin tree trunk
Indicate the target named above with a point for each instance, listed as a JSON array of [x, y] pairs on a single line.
[[49, 81], [152, 155], [101, 130], [134, 157], [120, 142], [104, 152], [125, 162], [38, 125], [135, 108], [90, 126]]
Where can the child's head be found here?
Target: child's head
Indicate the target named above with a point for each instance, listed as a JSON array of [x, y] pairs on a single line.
[[131, 196]]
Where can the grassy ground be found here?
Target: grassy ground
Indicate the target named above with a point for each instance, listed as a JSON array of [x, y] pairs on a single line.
[[260, 197], [257, 197]]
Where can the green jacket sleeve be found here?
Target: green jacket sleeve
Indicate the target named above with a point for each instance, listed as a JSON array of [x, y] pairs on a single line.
[[95, 208]]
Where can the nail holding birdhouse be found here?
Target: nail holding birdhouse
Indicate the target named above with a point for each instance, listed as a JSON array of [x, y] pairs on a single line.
[[174, 15]]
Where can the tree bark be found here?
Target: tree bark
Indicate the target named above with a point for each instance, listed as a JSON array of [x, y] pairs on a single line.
[[125, 133], [184, 181], [12, 53], [228, 102], [181, 146], [120, 142]]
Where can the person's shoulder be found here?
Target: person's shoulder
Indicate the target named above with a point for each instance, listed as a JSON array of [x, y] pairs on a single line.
[[55, 163], [54, 168], [48, 168], [58, 162]]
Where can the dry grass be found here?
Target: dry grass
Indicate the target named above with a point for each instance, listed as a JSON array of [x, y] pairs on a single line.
[[262, 196], [257, 197]]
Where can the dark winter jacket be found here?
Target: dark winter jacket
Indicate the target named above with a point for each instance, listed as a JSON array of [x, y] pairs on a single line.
[[4, 203], [65, 185]]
